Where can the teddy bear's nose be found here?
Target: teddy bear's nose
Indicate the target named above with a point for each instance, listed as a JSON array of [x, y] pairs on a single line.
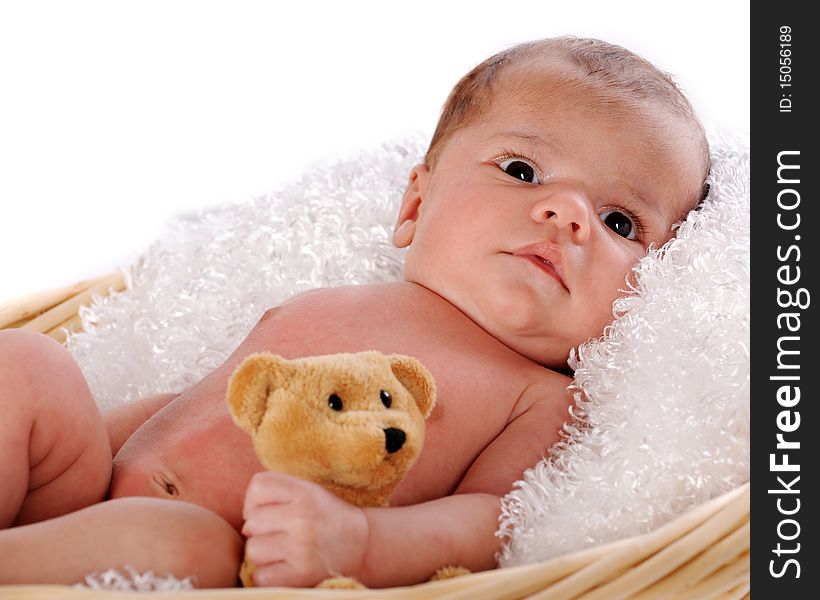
[[394, 439]]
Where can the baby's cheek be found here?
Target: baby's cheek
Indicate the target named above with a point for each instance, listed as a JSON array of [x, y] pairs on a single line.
[[601, 315]]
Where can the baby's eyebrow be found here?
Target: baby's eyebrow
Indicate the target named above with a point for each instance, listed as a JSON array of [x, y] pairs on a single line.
[[640, 197], [532, 138], [541, 142]]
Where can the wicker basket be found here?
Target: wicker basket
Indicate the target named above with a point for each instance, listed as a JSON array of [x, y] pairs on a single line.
[[701, 555], [56, 312]]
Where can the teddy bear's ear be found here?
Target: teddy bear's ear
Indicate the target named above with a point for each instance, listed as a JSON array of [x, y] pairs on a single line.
[[418, 381], [250, 385]]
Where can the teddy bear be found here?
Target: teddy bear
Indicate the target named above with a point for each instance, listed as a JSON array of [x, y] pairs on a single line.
[[353, 423]]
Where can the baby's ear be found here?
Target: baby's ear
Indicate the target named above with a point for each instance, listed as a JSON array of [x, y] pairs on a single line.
[[250, 386], [417, 379], [405, 229]]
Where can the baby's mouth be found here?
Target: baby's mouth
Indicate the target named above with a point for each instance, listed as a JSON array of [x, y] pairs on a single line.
[[546, 257], [545, 266]]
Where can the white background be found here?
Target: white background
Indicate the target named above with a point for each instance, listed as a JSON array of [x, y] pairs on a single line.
[[117, 116]]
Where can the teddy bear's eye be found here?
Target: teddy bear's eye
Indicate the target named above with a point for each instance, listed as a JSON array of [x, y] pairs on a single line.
[[387, 400], [335, 402]]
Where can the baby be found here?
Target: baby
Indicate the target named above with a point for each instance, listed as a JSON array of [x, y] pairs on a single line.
[[555, 165]]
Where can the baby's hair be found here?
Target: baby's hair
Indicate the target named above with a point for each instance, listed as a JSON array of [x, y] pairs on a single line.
[[615, 70]]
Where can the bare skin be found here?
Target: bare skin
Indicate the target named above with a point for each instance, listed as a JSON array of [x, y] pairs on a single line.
[[177, 452], [147, 534], [53, 443], [488, 426], [55, 465]]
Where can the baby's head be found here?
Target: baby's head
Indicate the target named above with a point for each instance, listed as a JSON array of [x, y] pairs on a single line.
[[554, 166]]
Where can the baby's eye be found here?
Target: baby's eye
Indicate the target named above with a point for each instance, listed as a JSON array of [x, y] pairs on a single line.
[[621, 223], [520, 169]]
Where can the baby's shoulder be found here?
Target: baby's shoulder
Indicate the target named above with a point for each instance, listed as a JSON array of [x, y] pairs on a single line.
[[356, 295], [397, 307], [390, 318]]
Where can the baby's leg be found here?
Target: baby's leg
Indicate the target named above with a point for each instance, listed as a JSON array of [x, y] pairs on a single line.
[[168, 537], [54, 451]]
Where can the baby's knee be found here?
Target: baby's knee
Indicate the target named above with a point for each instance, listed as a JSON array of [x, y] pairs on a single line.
[[39, 376], [44, 394], [40, 371], [18, 350], [21, 345]]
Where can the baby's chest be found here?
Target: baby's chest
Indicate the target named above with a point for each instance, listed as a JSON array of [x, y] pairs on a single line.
[[470, 414]]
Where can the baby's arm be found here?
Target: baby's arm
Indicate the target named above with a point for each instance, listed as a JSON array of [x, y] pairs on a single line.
[[407, 544], [124, 420], [299, 533]]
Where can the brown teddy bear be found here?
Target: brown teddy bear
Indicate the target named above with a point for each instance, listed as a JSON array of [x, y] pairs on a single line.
[[353, 423]]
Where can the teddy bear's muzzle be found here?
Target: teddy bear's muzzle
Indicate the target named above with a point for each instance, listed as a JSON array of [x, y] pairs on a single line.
[[394, 439]]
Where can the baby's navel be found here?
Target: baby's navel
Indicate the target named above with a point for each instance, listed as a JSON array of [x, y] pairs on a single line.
[[165, 485]]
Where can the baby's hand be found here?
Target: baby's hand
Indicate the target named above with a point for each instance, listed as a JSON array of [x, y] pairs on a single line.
[[299, 533]]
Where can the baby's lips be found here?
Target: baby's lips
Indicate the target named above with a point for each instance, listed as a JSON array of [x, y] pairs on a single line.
[[546, 251]]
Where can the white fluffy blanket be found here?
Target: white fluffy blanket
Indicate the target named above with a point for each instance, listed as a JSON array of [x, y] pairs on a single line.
[[662, 422], [663, 401]]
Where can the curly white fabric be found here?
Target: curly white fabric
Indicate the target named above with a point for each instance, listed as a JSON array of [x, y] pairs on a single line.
[[197, 292], [662, 420], [132, 581]]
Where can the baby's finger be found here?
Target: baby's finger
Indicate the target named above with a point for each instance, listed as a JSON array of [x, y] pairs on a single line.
[[266, 549], [284, 574], [271, 518], [265, 519], [267, 488]]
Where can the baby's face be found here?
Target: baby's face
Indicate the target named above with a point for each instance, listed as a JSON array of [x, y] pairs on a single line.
[[533, 215]]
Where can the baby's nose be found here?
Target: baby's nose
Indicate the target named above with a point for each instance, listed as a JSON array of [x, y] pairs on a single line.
[[394, 439], [567, 208]]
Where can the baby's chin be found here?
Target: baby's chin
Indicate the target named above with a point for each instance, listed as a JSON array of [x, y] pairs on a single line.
[[551, 351], [528, 335], [510, 322]]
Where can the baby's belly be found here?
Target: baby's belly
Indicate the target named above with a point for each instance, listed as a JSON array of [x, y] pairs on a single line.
[[206, 465]]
